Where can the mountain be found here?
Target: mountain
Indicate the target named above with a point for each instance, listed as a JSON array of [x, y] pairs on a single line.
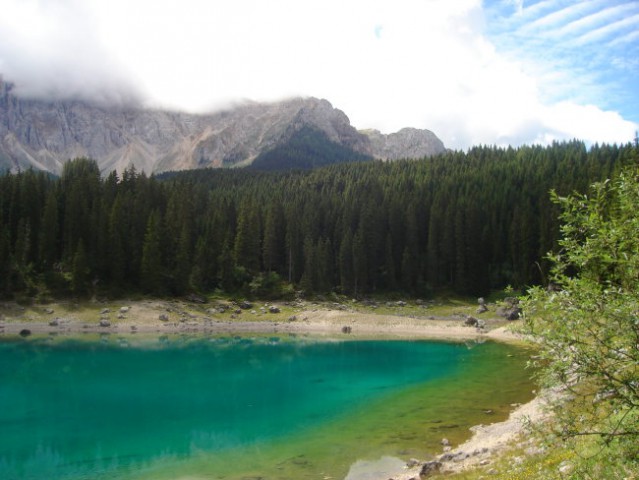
[[299, 133]]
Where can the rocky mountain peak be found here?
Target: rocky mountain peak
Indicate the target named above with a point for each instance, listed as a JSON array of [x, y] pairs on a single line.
[[406, 143], [45, 134]]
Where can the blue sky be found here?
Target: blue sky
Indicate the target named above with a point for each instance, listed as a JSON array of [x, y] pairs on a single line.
[[582, 51], [474, 72]]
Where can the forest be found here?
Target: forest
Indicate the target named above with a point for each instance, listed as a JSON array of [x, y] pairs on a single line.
[[466, 222]]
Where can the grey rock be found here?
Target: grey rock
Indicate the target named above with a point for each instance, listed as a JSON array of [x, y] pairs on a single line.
[[163, 317], [196, 298], [510, 313], [470, 321], [104, 323], [44, 134], [273, 309], [406, 143], [430, 468], [482, 308], [514, 313]]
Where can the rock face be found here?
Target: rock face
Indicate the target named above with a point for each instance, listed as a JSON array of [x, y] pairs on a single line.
[[45, 134], [407, 143]]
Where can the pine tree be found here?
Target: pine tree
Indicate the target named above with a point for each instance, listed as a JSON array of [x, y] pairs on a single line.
[[151, 265], [80, 272], [49, 235]]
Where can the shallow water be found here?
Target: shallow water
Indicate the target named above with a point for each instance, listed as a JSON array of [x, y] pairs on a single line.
[[242, 407]]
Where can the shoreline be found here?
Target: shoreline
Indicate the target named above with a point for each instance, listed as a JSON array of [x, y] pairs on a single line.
[[165, 317], [145, 318], [487, 442]]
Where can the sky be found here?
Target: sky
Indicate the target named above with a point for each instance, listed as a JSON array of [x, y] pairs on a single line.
[[495, 72]]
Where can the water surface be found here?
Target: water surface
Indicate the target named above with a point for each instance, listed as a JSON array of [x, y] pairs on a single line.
[[241, 407]]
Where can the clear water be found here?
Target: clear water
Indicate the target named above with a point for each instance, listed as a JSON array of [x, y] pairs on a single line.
[[241, 407]]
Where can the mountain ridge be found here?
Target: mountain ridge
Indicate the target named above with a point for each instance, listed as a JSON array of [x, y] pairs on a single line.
[[44, 134]]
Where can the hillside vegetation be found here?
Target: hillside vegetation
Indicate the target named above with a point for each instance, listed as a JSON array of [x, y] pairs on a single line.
[[467, 222]]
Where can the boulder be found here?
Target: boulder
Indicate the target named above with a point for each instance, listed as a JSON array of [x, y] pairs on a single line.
[[470, 321], [246, 305], [511, 301], [196, 298], [430, 468], [104, 322], [104, 311], [273, 309], [482, 308], [124, 309], [163, 317], [54, 323], [346, 329], [25, 332], [510, 308], [514, 313]]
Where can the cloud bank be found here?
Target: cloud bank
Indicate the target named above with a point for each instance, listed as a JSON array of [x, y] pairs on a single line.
[[452, 67]]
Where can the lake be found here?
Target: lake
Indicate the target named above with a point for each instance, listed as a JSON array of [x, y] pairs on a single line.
[[238, 407]]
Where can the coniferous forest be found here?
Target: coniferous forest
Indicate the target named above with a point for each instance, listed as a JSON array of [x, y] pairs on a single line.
[[466, 222]]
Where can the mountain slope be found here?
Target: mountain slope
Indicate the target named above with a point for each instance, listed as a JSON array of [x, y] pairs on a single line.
[[45, 134]]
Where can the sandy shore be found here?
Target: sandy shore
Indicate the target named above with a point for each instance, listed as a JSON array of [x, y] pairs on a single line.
[[152, 317], [168, 317]]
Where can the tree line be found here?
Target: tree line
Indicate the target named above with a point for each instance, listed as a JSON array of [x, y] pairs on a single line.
[[465, 221]]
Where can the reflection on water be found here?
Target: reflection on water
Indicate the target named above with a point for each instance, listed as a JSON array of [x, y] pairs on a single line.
[[375, 469]]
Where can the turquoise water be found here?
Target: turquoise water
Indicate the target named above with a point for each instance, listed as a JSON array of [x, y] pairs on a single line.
[[229, 407]]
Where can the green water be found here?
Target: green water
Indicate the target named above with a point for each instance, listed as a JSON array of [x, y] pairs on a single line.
[[241, 407]]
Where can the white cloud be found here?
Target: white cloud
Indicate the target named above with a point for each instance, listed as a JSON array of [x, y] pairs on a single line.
[[422, 63]]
